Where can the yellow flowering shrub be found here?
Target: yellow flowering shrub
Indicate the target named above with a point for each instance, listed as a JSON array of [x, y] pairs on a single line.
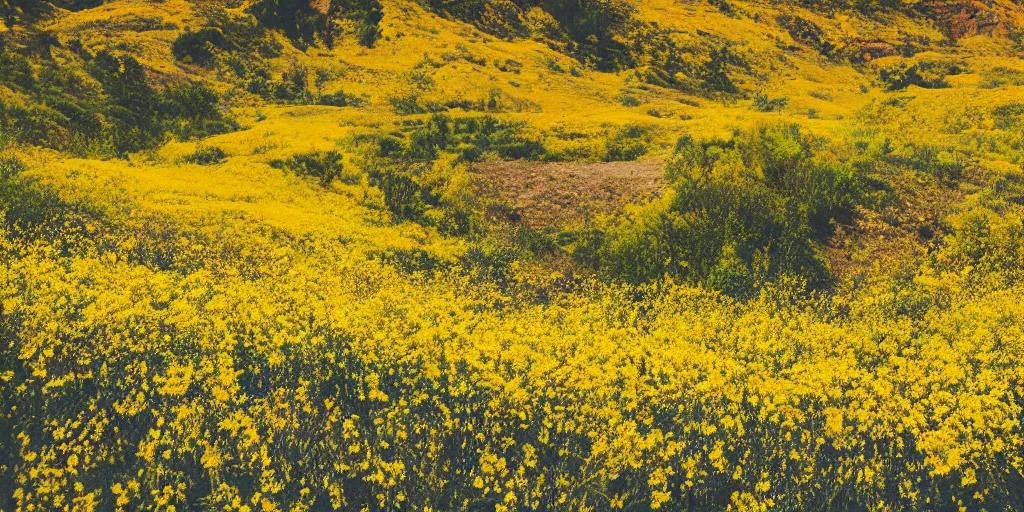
[[298, 374], [235, 336]]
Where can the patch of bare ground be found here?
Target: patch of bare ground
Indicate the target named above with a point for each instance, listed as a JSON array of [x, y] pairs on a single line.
[[543, 194]]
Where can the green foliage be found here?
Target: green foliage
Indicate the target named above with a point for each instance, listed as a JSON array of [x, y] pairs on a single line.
[[762, 103], [1008, 116], [325, 166], [106, 106], [29, 208], [339, 99], [307, 25], [427, 179], [16, 70], [743, 212], [472, 138], [629, 100], [198, 47], [927, 74], [605, 35], [946, 164], [984, 249], [805, 32], [368, 14], [627, 143], [457, 208], [1017, 38], [205, 155], [713, 75], [192, 110]]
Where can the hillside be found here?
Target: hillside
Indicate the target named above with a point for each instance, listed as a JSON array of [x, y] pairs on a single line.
[[502, 255]]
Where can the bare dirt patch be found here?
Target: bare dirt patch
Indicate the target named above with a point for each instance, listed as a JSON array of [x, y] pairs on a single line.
[[563, 193]]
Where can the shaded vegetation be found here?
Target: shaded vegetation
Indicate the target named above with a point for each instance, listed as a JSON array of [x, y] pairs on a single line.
[[309, 25], [325, 166], [105, 106]]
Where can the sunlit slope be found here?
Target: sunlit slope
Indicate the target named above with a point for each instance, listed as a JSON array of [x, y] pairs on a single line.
[[243, 190], [437, 60], [181, 332]]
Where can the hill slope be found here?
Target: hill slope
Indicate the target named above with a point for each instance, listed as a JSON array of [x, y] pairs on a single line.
[[450, 255]]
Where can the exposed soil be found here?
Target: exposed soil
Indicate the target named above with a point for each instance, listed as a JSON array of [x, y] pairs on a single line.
[[561, 193]]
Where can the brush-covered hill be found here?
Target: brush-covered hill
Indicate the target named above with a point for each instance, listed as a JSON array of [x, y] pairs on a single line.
[[511, 255]]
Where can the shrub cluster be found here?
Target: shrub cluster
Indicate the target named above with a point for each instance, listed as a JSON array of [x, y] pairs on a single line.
[[205, 155], [472, 138], [627, 143], [762, 103], [601, 34], [805, 32], [325, 166], [106, 106], [927, 74], [424, 176], [744, 212], [308, 24], [198, 47], [948, 165]]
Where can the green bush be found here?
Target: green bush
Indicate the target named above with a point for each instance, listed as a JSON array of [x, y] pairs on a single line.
[[762, 103], [407, 105], [948, 165], [325, 166], [306, 25], [197, 47], [205, 155], [983, 246], [628, 143], [339, 99], [929, 75], [402, 195], [115, 112], [742, 213], [472, 138], [30, 208], [805, 32], [606, 35]]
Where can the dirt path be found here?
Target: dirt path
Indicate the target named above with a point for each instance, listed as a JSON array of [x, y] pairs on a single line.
[[560, 193]]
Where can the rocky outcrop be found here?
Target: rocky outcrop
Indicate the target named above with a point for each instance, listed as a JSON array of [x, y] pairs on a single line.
[[965, 18]]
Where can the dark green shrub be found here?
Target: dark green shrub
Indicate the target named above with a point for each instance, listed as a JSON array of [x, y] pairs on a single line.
[[407, 105], [325, 166], [713, 75], [762, 103], [205, 155], [947, 165], [402, 195], [198, 47], [16, 71], [306, 25], [805, 32], [471, 138], [192, 110], [368, 25], [927, 75], [628, 143], [1017, 37], [629, 100], [743, 213], [339, 99]]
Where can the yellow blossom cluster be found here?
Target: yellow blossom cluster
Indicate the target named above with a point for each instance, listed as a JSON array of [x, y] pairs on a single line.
[[301, 374]]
